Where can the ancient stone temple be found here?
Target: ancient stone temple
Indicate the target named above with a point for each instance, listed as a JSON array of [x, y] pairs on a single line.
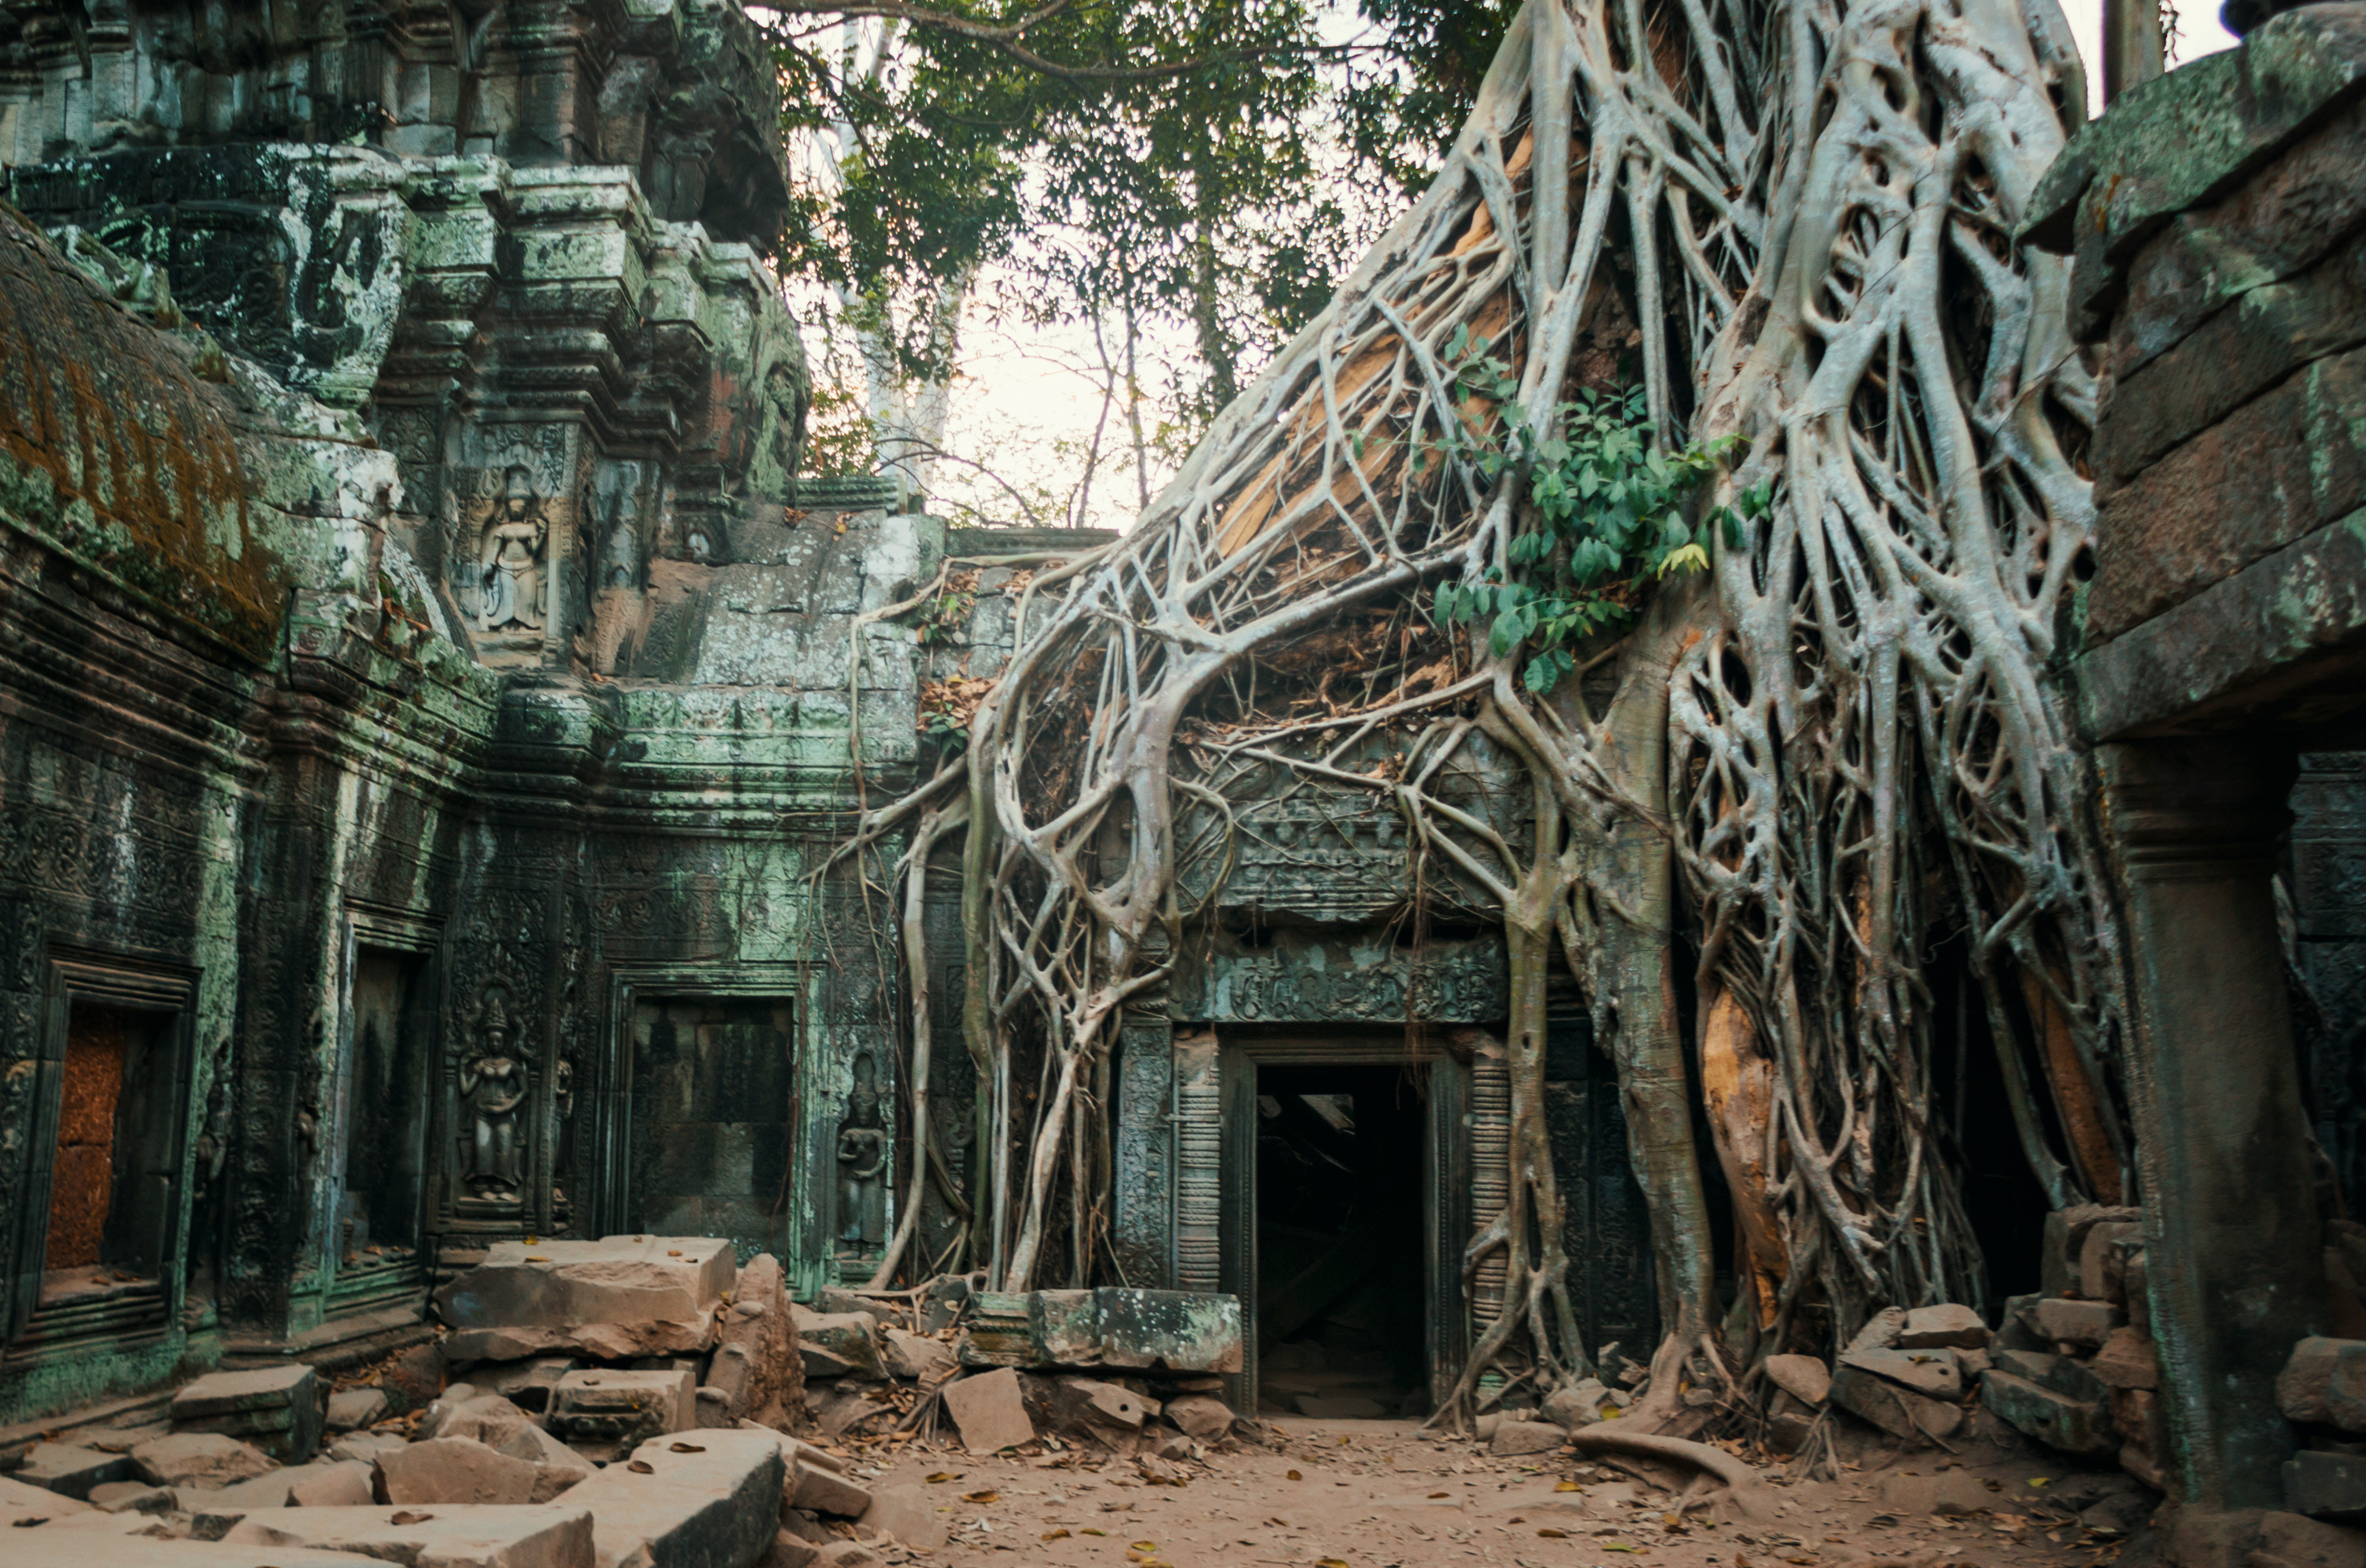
[[427, 690], [423, 677]]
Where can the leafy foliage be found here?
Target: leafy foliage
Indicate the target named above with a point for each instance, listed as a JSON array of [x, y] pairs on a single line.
[[1210, 164], [1606, 514]]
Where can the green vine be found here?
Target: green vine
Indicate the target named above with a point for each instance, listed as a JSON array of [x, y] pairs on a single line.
[[1606, 514]]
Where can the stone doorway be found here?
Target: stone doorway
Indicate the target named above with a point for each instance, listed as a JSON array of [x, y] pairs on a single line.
[[99, 1249], [1345, 1196], [389, 1104], [713, 1117], [1339, 1240]]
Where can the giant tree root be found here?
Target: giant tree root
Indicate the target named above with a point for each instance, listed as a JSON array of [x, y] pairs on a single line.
[[1745, 1489]]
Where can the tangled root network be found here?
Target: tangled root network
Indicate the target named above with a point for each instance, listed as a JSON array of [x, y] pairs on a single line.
[[1828, 772]]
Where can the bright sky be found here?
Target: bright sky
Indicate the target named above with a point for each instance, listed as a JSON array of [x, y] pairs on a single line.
[[1027, 407]]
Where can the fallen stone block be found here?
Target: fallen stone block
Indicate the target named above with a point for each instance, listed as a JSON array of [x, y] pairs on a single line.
[[353, 1408], [836, 1344], [705, 1503], [439, 1410], [2325, 1381], [526, 1384], [487, 1419], [199, 1459], [275, 1409], [1951, 1326], [556, 1467], [1515, 1438], [72, 1471], [788, 1551], [826, 1491], [412, 1379], [22, 1500], [450, 1536], [601, 1412], [453, 1469], [2290, 1541], [1900, 1412], [2102, 1260], [2128, 1359], [918, 1358], [1804, 1377], [55, 1548], [1202, 1417], [1881, 1331], [989, 1411], [1932, 1373], [1086, 1409], [846, 1554], [616, 1298], [2325, 1486], [1580, 1404], [132, 1497], [757, 1324], [2066, 1240], [1177, 1331], [2074, 1425], [347, 1483], [2063, 1374], [906, 1514], [366, 1446], [2084, 1325]]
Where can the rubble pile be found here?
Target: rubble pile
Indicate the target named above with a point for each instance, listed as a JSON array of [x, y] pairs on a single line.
[[2076, 1367], [624, 1402], [1137, 1373]]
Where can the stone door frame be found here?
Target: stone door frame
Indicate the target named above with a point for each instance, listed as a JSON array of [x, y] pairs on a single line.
[[421, 936], [109, 980], [609, 1147], [1446, 1168]]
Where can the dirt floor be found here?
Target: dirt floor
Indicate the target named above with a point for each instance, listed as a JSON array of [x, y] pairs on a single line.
[[1373, 1494]]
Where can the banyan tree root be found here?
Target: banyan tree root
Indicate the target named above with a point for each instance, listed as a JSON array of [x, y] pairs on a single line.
[[1792, 223], [1745, 1489]]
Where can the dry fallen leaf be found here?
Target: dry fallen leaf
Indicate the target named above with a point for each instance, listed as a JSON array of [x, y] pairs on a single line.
[[640, 1467], [1328, 1562], [981, 1496], [1055, 1535], [1554, 1535], [1089, 1531], [1295, 1476], [411, 1518], [1565, 1486], [1441, 1494], [942, 1475], [686, 1449]]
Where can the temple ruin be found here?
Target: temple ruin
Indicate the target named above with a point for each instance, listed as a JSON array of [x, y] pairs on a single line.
[[435, 710]]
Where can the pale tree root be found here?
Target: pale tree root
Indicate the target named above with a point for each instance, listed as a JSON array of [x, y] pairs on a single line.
[[1752, 1499]]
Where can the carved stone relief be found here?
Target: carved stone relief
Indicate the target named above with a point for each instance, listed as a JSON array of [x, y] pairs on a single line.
[[512, 558], [862, 1140], [493, 1095]]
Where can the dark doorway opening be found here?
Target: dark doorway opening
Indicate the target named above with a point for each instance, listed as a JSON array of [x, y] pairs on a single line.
[[112, 1186], [388, 1108], [713, 1119], [1341, 1268]]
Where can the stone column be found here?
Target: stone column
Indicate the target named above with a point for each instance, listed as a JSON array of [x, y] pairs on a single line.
[[2234, 1241]]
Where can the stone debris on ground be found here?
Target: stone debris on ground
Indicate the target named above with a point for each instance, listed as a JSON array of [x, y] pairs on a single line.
[[618, 1297], [276, 1409], [881, 1437]]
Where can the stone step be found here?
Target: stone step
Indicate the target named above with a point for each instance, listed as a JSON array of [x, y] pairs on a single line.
[[447, 1535], [708, 1499]]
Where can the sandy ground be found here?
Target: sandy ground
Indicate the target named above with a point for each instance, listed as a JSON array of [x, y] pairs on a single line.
[[1373, 1494]]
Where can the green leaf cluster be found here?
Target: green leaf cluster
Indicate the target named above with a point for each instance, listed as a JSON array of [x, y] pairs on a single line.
[[1610, 511]]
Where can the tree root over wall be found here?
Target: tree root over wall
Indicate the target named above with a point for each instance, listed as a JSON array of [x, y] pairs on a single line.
[[1792, 222]]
